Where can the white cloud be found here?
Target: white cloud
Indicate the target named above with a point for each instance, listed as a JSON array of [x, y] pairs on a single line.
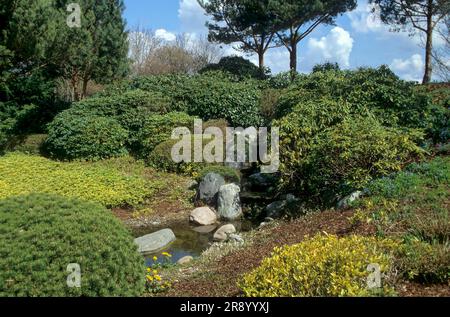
[[192, 17], [363, 20], [334, 47], [409, 69], [165, 35]]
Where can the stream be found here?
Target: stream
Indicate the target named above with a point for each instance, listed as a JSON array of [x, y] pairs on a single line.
[[191, 240]]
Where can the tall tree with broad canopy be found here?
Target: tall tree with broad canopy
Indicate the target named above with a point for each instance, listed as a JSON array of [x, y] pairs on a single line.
[[296, 19], [247, 22], [415, 15]]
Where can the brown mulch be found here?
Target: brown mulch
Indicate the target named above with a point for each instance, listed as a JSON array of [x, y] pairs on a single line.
[[222, 278]]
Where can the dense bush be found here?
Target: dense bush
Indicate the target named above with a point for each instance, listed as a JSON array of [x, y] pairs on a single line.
[[394, 101], [158, 128], [12, 117], [161, 158], [333, 145], [424, 262], [239, 67], [322, 266], [215, 96], [326, 67], [352, 153], [21, 174], [42, 234], [89, 137]]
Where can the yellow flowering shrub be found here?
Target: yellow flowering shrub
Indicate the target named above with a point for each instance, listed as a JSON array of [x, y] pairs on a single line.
[[322, 266], [22, 174]]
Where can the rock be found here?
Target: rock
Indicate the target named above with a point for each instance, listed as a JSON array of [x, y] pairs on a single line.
[[276, 209], [345, 202], [185, 260], [229, 202], [155, 241], [209, 188], [223, 232], [192, 185], [205, 229], [203, 216], [236, 238]]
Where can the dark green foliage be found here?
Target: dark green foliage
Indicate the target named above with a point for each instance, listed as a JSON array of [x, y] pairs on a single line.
[[215, 96], [237, 66], [158, 129], [326, 67], [394, 101], [42, 234], [72, 136]]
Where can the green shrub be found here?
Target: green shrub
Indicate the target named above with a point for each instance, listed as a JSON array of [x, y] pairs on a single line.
[[161, 158], [215, 96], [29, 144], [351, 154], [22, 174], [237, 66], [330, 147], [230, 175], [424, 262], [92, 137], [326, 67], [322, 266], [394, 101], [42, 234], [158, 128]]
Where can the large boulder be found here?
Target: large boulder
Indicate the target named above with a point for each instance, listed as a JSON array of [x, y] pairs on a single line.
[[156, 241], [203, 216], [224, 232], [209, 188], [229, 202]]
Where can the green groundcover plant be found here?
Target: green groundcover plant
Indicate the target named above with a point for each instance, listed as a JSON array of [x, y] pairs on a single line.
[[22, 174]]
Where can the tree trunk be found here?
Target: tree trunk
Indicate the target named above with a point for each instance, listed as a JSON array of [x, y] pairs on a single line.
[[429, 47], [293, 60], [85, 84], [261, 60]]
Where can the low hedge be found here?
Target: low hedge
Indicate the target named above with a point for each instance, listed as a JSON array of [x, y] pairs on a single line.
[[322, 266], [86, 137], [42, 234]]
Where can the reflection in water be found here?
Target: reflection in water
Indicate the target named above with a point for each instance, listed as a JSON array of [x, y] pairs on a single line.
[[191, 241]]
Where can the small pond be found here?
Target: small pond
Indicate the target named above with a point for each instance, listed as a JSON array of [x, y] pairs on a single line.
[[191, 240]]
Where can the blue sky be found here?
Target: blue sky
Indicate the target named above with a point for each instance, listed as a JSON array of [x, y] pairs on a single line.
[[357, 39]]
